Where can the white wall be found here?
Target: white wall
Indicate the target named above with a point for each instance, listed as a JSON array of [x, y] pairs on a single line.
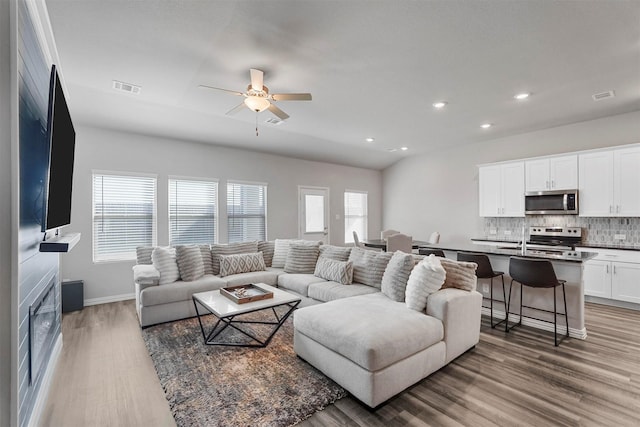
[[100, 149], [439, 190]]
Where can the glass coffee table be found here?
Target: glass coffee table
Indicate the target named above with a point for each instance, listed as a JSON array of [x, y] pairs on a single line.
[[226, 311]]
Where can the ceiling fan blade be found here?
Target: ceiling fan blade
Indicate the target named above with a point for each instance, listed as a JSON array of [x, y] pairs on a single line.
[[257, 79], [235, 92], [278, 112], [235, 109], [291, 96]]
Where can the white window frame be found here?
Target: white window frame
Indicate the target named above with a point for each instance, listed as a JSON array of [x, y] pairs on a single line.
[[216, 203], [154, 222], [266, 202], [349, 235]]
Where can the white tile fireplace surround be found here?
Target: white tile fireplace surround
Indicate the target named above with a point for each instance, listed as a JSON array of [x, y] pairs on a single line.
[[600, 231]]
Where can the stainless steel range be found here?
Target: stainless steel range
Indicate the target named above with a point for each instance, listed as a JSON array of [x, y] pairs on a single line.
[[553, 239]]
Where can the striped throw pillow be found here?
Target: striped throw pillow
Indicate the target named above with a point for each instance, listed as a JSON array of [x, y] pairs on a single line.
[[368, 266], [426, 278], [190, 263], [143, 254], [335, 271], [207, 260], [267, 248], [460, 274], [394, 279], [241, 263], [339, 253], [301, 259], [230, 249], [164, 260]]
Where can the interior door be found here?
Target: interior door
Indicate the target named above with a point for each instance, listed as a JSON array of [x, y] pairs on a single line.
[[313, 213]]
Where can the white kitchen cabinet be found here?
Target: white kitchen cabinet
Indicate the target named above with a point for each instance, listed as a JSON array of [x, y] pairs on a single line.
[[553, 173], [613, 274], [625, 285], [609, 183], [501, 190], [597, 278]]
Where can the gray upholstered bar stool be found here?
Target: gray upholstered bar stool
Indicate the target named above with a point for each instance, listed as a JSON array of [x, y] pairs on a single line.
[[427, 252], [537, 273], [485, 271]]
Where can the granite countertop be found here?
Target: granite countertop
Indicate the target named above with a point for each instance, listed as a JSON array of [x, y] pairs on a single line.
[[621, 247], [492, 249]]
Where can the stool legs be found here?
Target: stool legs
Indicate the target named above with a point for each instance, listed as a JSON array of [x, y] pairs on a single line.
[[504, 298]]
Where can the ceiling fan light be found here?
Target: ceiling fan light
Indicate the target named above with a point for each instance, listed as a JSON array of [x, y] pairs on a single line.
[[257, 103]]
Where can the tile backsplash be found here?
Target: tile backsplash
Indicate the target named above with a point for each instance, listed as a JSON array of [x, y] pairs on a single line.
[[599, 231]]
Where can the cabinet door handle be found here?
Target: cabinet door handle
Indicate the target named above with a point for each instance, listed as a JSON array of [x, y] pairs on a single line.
[[553, 184], [546, 184]]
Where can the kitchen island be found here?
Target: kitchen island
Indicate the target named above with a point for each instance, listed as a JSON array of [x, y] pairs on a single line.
[[567, 265]]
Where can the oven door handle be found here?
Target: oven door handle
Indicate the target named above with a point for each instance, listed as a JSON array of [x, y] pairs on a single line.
[[565, 201]]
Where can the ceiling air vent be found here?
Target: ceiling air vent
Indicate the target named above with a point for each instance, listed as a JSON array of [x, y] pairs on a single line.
[[126, 87], [603, 95], [273, 121]]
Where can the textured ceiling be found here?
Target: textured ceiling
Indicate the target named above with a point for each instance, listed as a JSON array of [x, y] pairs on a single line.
[[374, 69]]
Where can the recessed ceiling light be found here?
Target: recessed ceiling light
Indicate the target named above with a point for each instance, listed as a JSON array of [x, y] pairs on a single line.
[[486, 125], [438, 105], [369, 139], [404, 148], [521, 96]]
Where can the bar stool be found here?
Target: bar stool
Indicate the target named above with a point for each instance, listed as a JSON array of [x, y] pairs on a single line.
[[485, 271], [427, 252], [537, 273]]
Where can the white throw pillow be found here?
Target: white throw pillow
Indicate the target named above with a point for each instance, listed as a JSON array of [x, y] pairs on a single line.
[[394, 279], [164, 260], [426, 278]]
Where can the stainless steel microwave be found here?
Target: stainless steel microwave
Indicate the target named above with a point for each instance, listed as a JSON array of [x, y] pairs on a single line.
[[562, 202]]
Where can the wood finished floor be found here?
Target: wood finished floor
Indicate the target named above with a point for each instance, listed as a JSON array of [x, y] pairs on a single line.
[[105, 377]]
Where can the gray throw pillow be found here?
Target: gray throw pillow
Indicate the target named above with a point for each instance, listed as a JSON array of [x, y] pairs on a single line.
[[335, 271], [241, 263], [301, 259], [460, 274], [230, 249], [394, 279], [143, 254], [207, 260], [281, 250], [164, 260], [190, 263], [339, 253], [368, 266], [267, 248]]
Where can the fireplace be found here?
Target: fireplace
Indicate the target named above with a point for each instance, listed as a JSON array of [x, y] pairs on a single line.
[[43, 322]]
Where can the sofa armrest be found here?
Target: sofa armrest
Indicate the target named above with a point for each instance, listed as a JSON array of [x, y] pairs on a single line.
[[145, 275], [460, 313]]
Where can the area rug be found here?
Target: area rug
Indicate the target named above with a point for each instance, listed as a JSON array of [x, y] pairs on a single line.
[[236, 386]]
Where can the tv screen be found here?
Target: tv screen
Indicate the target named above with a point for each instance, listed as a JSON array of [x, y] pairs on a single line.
[[62, 140]]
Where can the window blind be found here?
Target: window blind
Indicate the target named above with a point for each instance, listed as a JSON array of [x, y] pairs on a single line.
[[355, 215], [193, 212], [124, 216], [246, 212]]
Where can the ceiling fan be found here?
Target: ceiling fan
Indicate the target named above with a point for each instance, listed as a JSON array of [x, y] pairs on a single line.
[[257, 97]]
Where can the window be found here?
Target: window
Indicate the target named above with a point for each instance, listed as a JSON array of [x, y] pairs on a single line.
[[355, 215], [193, 212], [124, 215], [246, 212]]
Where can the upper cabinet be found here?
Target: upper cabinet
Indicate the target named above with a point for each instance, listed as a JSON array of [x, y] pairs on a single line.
[[501, 190], [610, 183], [553, 173]]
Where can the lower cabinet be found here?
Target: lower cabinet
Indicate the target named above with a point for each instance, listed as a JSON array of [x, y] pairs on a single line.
[[617, 280]]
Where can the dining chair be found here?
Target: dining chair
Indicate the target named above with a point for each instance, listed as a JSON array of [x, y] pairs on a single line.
[[399, 242], [356, 240], [434, 238], [386, 233]]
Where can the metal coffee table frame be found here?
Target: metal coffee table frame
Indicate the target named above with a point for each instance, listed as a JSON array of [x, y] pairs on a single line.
[[228, 321]]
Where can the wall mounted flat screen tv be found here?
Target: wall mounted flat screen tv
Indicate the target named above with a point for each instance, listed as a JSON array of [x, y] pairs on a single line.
[[62, 141]]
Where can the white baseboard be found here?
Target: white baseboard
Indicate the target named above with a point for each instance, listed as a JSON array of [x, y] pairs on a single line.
[[580, 334], [106, 300], [43, 391]]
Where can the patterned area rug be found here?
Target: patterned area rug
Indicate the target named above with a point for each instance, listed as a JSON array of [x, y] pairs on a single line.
[[236, 386]]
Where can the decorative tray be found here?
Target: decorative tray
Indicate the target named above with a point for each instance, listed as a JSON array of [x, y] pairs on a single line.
[[245, 293]]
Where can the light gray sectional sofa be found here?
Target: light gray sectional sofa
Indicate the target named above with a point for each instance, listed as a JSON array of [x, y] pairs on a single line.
[[362, 334]]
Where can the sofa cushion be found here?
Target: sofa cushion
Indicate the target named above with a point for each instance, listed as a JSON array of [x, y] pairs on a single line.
[[368, 266], [207, 261], [365, 329], [394, 279], [336, 271], [339, 253], [230, 249], [268, 277], [460, 274], [190, 264], [179, 291], [164, 260], [298, 283], [301, 259], [281, 250], [426, 278], [241, 263], [267, 248], [329, 291]]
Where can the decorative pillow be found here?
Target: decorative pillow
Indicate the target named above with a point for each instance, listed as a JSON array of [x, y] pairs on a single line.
[[145, 274], [207, 260], [336, 271], [426, 278], [267, 248], [230, 249], [190, 264], [143, 254], [164, 260], [339, 253], [241, 263], [368, 266], [281, 250], [394, 279], [301, 259], [460, 274]]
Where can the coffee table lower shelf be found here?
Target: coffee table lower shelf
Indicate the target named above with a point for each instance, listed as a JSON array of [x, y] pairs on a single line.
[[227, 321]]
